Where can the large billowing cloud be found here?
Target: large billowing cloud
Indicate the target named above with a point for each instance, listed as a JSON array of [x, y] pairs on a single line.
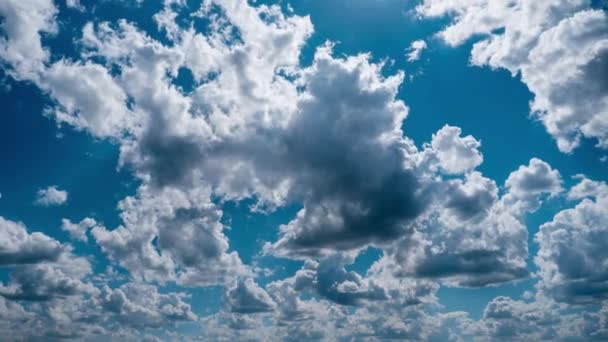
[[572, 251], [559, 48], [473, 237]]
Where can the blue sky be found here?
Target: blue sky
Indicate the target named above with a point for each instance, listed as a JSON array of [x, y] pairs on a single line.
[[233, 170]]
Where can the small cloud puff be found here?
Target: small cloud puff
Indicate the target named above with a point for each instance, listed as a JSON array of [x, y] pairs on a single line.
[[51, 196], [415, 50]]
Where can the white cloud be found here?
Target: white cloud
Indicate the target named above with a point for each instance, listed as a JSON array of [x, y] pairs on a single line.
[[247, 297], [572, 247], [415, 50], [97, 104], [470, 236], [20, 46], [536, 178], [455, 154], [17, 246], [78, 231], [558, 48], [51, 196], [171, 234]]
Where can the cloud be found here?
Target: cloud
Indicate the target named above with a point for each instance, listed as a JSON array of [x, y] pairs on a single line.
[[98, 104], [415, 50], [471, 237], [23, 23], [246, 297], [327, 137], [142, 306], [572, 247], [350, 156], [558, 48], [45, 281], [455, 154], [78, 231], [536, 178], [17, 246], [51, 196], [171, 234]]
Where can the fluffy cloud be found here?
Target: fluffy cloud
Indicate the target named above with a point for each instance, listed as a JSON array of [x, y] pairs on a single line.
[[534, 179], [455, 154], [23, 23], [17, 246], [572, 247], [559, 48], [98, 104], [78, 231], [141, 306], [45, 281], [351, 157], [415, 50], [257, 125], [51, 196], [171, 234], [472, 237], [247, 297]]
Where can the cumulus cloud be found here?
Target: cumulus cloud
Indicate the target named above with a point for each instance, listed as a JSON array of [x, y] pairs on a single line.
[[536, 178], [247, 297], [347, 145], [455, 154], [142, 306], [171, 235], [78, 231], [558, 48], [45, 281], [17, 246], [51, 196], [257, 125], [572, 247], [415, 50], [472, 236], [23, 23]]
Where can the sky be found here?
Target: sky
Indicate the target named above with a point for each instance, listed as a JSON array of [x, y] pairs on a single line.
[[303, 170]]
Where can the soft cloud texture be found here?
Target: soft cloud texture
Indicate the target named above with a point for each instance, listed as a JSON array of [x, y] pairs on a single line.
[[256, 126], [415, 50], [558, 47], [572, 247], [51, 196], [17, 246]]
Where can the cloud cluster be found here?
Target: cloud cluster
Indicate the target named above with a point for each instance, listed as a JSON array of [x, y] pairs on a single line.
[[558, 47], [326, 137], [572, 247]]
